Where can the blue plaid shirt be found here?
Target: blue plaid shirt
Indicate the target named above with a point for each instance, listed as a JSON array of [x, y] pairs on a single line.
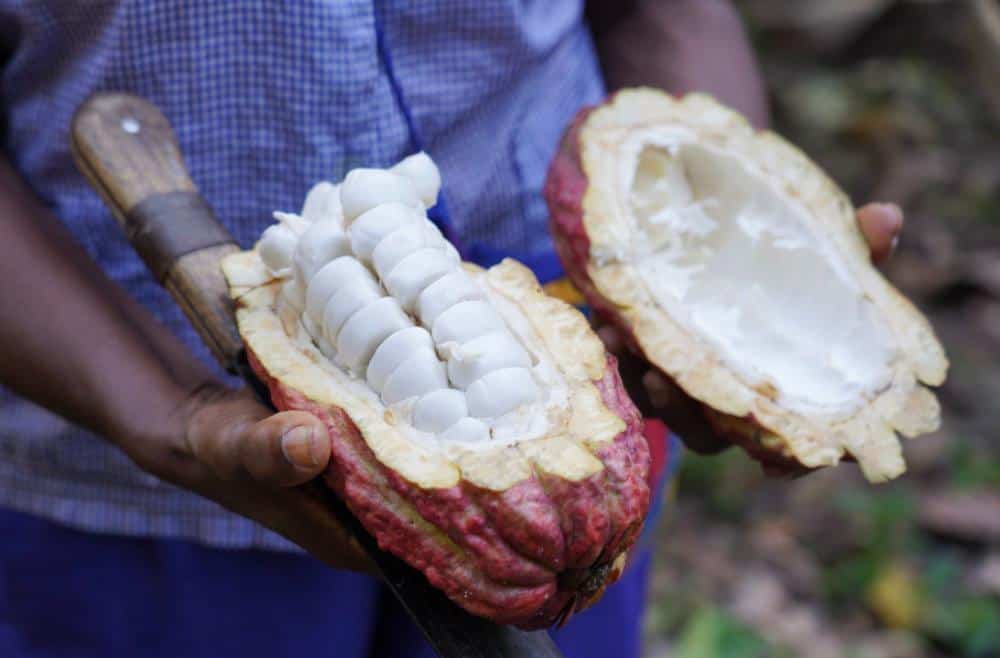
[[267, 98]]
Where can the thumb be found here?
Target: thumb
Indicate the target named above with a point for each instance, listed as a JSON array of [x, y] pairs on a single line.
[[235, 437], [286, 449]]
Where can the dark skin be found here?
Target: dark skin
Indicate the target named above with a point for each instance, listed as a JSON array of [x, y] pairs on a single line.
[[73, 341]]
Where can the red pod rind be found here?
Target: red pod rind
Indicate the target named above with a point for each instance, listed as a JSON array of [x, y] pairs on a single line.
[[527, 550]]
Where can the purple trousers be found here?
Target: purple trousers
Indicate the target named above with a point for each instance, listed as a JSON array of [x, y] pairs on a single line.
[[65, 593]]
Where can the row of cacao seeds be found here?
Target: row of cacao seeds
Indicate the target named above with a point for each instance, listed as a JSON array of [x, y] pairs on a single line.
[[364, 262]]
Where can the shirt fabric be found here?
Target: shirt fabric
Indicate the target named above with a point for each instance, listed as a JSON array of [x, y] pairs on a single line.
[[267, 98]]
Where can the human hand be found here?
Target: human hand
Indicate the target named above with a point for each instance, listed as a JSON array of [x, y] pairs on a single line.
[[226, 446], [63, 320], [657, 396]]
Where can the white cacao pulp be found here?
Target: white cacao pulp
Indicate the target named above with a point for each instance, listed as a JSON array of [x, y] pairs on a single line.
[[385, 297], [737, 261]]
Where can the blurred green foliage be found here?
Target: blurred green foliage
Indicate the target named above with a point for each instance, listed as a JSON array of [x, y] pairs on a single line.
[[883, 524], [968, 469], [711, 633]]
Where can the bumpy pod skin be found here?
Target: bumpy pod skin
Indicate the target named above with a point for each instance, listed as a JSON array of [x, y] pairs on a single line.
[[784, 442], [524, 534]]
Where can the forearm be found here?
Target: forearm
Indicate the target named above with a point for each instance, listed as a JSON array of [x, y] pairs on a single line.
[[683, 46], [73, 341]]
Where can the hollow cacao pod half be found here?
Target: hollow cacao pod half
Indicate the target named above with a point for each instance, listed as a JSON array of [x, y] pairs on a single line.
[[480, 431], [734, 265]]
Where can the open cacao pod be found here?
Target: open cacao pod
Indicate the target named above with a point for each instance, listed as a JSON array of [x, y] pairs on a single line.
[[480, 431], [735, 266]]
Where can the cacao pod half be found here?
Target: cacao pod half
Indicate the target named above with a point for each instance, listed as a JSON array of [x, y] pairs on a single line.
[[735, 266], [479, 430]]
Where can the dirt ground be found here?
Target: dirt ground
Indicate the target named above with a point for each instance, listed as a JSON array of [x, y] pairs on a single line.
[[898, 101]]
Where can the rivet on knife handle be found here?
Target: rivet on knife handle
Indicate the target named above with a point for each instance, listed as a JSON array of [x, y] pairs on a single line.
[[127, 149]]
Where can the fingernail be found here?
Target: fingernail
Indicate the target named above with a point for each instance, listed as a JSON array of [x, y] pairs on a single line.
[[299, 447], [897, 214]]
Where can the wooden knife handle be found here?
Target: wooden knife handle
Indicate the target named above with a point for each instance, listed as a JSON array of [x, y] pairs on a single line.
[[127, 149]]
